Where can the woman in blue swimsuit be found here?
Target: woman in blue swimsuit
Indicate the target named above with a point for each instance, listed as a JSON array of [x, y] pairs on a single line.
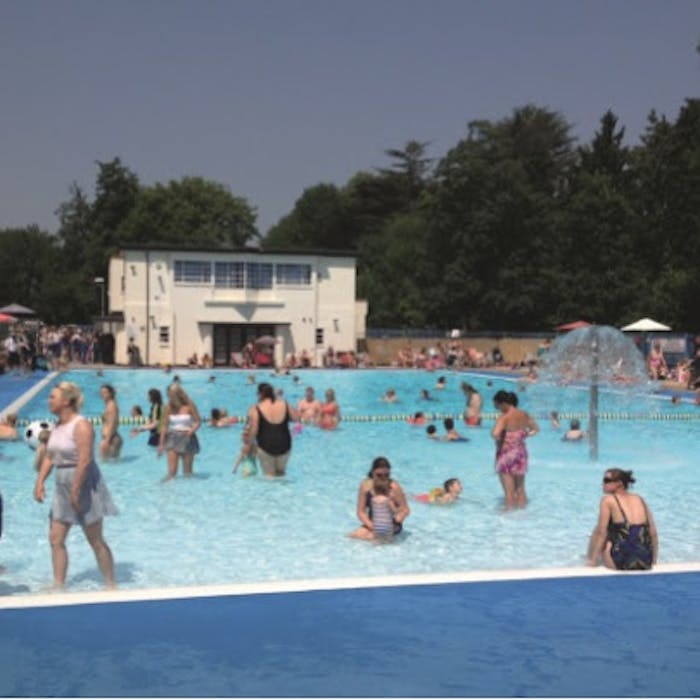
[[626, 536]]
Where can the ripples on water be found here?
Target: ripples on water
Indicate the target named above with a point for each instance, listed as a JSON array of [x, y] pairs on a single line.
[[222, 528]]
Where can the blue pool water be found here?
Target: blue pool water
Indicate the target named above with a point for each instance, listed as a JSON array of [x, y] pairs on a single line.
[[221, 528]]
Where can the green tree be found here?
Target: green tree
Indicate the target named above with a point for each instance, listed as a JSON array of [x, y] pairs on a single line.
[[191, 211], [319, 220]]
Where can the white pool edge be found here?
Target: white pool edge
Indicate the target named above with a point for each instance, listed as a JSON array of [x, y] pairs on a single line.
[[55, 599]]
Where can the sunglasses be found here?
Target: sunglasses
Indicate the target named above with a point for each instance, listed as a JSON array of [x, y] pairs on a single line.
[[609, 480]]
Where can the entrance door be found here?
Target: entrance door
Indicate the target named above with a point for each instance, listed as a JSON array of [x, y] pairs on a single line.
[[232, 337]]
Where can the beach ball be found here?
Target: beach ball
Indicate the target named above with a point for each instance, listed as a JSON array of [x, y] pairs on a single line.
[[31, 434]]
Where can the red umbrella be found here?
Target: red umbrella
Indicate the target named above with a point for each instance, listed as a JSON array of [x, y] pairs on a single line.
[[6, 318], [572, 326]]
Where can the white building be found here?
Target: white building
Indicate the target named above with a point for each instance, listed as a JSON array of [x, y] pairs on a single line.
[[175, 302]]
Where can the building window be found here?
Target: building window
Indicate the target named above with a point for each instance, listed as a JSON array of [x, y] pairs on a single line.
[[298, 275], [164, 335], [319, 336], [192, 272], [259, 275], [230, 275]]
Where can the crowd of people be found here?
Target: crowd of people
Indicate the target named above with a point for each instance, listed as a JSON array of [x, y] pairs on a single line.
[[624, 537]]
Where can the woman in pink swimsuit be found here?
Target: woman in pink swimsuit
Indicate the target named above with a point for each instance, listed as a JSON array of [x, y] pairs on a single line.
[[329, 416], [512, 428]]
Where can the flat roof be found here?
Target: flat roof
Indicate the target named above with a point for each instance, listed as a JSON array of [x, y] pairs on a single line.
[[321, 252]]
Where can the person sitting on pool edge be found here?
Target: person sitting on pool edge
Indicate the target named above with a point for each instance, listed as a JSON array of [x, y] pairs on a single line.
[[625, 536], [574, 433]]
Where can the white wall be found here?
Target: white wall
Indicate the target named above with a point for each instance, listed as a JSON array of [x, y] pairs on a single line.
[[142, 285]]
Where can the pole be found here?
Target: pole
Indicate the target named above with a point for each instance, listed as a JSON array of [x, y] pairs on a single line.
[[593, 404]]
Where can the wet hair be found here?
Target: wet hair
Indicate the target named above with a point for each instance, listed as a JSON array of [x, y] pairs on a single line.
[[330, 394], [137, 411], [419, 414], [154, 396], [215, 414], [449, 484], [266, 391], [448, 423], [431, 429], [621, 475], [575, 424], [501, 396], [507, 397], [110, 390], [378, 463]]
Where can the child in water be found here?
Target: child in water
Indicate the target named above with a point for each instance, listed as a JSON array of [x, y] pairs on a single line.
[[449, 493], [451, 433], [247, 455], [382, 510], [574, 432]]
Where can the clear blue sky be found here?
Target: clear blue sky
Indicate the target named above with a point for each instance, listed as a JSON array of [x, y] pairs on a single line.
[[272, 96]]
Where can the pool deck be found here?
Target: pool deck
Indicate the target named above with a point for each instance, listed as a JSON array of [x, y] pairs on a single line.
[[552, 633]]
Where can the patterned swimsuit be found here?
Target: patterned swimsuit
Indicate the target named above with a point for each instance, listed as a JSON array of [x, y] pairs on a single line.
[[511, 457]]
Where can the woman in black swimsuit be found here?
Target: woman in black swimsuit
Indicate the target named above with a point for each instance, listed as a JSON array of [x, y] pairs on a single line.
[[625, 537], [269, 426]]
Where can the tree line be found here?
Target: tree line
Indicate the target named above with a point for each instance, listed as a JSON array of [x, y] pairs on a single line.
[[516, 227]]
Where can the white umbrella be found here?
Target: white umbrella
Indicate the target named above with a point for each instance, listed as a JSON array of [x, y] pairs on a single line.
[[646, 324], [17, 310]]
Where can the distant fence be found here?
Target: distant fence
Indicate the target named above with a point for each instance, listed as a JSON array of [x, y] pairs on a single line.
[[516, 346]]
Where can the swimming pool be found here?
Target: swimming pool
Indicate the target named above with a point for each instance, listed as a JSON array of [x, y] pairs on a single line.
[[219, 528]]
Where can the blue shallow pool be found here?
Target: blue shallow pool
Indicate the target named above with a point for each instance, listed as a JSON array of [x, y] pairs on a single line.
[[220, 528]]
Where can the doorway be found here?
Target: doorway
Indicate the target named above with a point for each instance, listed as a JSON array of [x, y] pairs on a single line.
[[232, 337]]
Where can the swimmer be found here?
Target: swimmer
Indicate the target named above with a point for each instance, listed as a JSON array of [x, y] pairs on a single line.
[[425, 395], [449, 493], [574, 433], [452, 435], [418, 418], [389, 396], [431, 431], [554, 420], [440, 383], [219, 418]]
